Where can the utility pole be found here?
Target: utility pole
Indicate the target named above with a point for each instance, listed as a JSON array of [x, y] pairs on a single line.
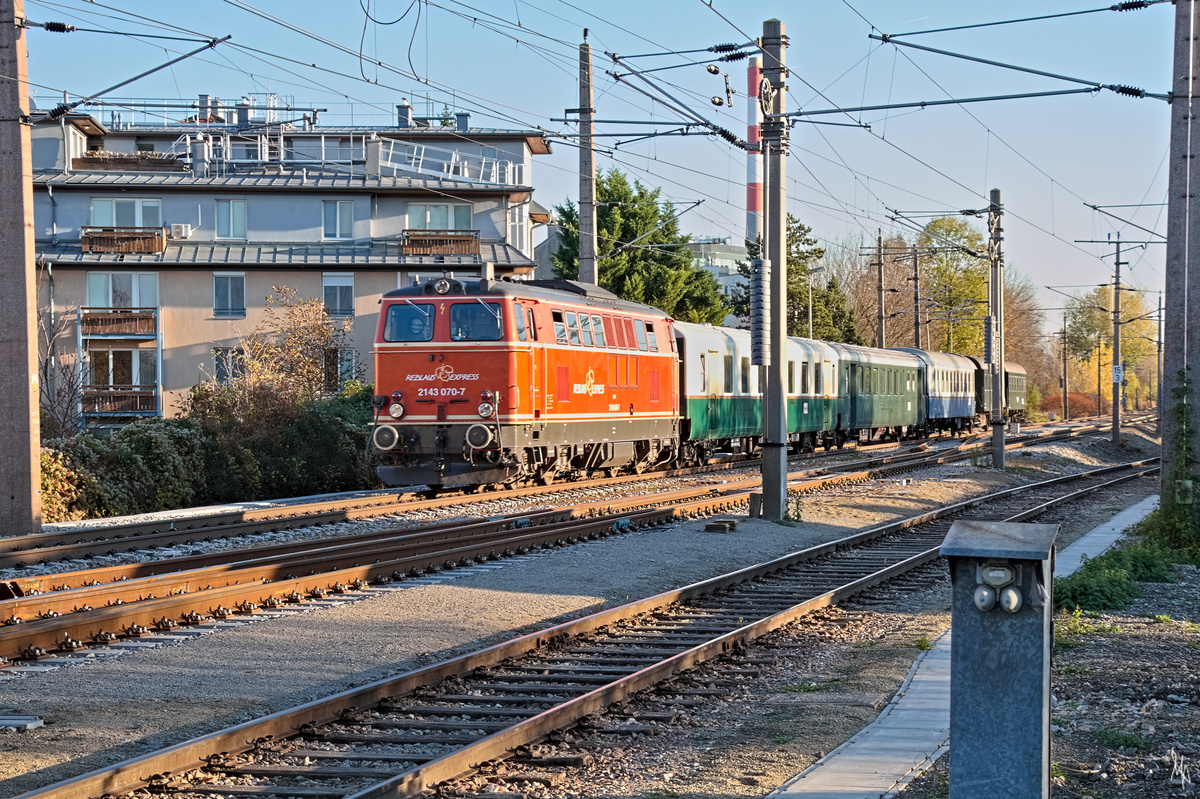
[[1099, 370], [20, 462], [775, 150], [587, 169], [1159, 364], [996, 259], [1065, 381], [916, 301], [1182, 336], [1117, 367], [881, 338]]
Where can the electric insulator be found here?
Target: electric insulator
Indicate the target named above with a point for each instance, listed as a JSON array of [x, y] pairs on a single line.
[[1128, 91], [58, 27], [1134, 5], [734, 56], [723, 48]]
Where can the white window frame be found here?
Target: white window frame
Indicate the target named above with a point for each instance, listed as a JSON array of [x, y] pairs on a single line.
[[418, 216], [343, 219], [139, 206], [228, 312], [337, 280], [141, 284], [228, 213], [135, 370], [518, 226]]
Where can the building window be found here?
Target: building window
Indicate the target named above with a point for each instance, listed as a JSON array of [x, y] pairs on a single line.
[[123, 368], [339, 219], [126, 213], [229, 294], [229, 363], [231, 219], [339, 294], [339, 367], [144, 145], [518, 226], [439, 217], [122, 290]]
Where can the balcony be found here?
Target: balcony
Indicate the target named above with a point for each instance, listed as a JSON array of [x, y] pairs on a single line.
[[120, 400], [119, 322], [123, 239], [440, 242], [126, 162]]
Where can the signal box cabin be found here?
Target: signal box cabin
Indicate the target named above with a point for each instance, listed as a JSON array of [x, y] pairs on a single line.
[[490, 381]]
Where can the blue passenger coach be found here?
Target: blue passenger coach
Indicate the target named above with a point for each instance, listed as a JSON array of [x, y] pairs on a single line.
[[948, 385]]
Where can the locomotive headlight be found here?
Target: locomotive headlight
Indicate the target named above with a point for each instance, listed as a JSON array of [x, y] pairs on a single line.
[[486, 409], [442, 285], [396, 410]]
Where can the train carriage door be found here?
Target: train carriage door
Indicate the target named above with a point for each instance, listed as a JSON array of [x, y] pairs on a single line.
[[712, 386], [855, 375]]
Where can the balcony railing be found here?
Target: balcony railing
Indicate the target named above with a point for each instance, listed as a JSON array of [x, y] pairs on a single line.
[[119, 322], [440, 242], [119, 399], [123, 239]]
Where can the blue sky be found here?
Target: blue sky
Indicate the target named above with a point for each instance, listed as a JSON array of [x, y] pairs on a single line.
[[512, 64]]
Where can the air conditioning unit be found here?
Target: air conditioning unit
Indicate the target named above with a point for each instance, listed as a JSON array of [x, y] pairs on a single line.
[[181, 231]]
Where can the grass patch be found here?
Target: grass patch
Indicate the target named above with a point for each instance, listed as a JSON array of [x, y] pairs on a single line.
[[806, 687], [783, 739], [1109, 582], [864, 645], [1114, 739], [1192, 645], [923, 643], [1069, 628], [1075, 670]]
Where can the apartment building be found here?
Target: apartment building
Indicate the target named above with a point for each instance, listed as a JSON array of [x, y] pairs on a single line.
[[160, 238]]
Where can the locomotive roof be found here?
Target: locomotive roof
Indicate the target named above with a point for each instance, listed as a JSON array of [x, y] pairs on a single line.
[[551, 291]]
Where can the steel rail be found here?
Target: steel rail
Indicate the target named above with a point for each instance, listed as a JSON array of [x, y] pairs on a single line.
[[136, 536], [37, 624], [132, 774]]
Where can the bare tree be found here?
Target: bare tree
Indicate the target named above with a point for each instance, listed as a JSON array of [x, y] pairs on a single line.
[[60, 373]]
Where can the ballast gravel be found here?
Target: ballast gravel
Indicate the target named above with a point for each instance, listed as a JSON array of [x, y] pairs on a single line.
[[111, 707]]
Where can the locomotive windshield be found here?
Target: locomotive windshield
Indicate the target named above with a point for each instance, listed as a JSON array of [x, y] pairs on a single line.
[[475, 321], [409, 321]]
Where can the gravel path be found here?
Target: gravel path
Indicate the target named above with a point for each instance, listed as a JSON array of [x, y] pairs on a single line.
[[110, 708]]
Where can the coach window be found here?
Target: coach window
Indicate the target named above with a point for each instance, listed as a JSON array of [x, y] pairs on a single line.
[[585, 329], [745, 375], [475, 321], [560, 327], [791, 377], [573, 328], [519, 321], [728, 382], [651, 338], [804, 377], [409, 321], [531, 325], [639, 330], [598, 330]]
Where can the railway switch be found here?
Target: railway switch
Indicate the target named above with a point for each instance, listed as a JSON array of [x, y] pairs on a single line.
[[1000, 660]]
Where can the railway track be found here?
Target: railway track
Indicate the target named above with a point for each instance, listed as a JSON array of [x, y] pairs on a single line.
[[169, 530], [64, 613], [403, 735]]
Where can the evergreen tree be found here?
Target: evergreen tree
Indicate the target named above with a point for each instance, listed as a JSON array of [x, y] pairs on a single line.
[[832, 317], [642, 255]]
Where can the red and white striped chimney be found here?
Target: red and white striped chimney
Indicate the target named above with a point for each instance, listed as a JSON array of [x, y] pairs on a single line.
[[754, 159]]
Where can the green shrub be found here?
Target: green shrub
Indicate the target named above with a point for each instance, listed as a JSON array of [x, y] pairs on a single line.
[[62, 487], [1108, 582]]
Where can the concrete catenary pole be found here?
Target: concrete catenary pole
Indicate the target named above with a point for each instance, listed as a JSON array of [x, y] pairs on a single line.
[[1181, 341], [587, 169], [20, 463], [775, 143], [881, 336], [996, 301], [754, 158], [1116, 359]]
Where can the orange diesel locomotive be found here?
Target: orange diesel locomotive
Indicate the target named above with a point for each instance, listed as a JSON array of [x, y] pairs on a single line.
[[488, 381]]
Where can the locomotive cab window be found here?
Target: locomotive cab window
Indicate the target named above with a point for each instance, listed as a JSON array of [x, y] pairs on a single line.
[[409, 321], [475, 321], [651, 338], [585, 329], [519, 320], [560, 327]]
